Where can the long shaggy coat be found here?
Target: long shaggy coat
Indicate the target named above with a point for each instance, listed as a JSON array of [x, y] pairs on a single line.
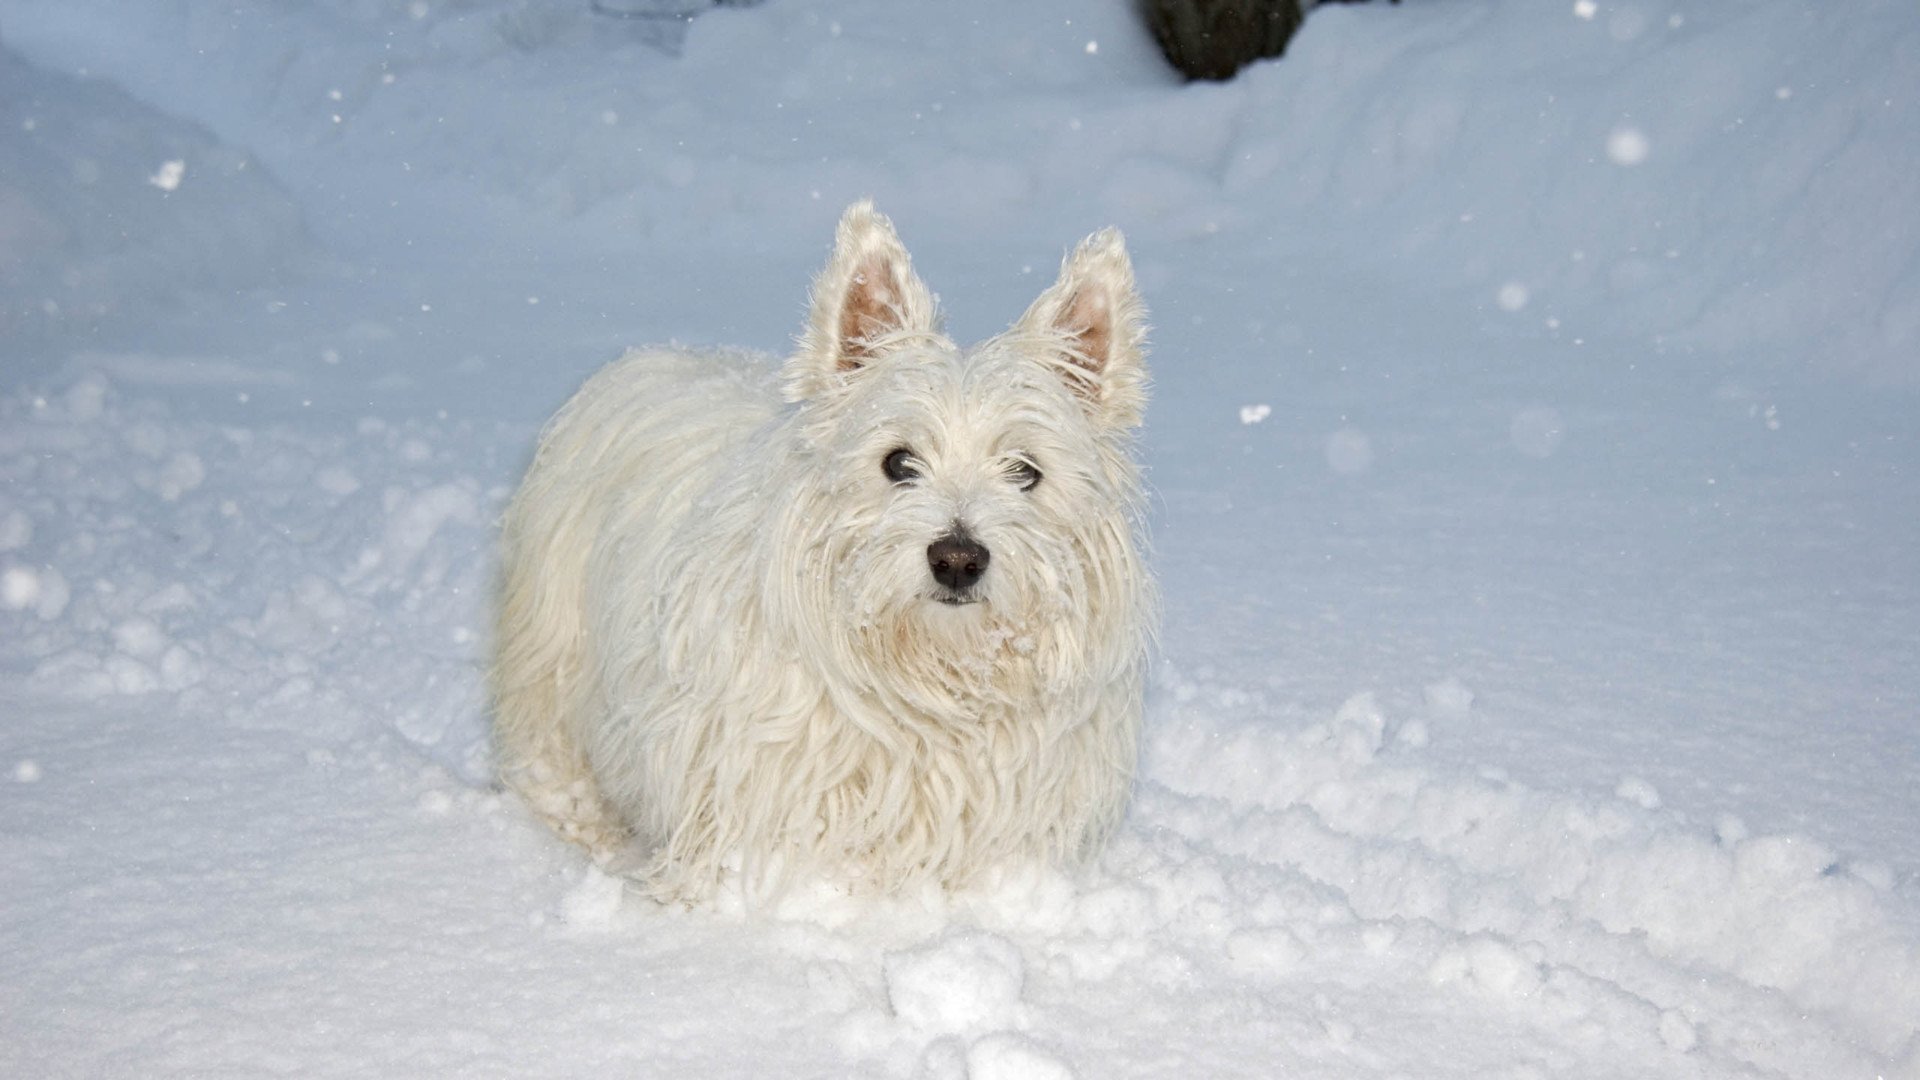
[[877, 616]]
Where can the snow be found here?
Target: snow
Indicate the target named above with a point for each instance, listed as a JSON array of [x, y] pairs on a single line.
[[1538, 691], [965, 983]]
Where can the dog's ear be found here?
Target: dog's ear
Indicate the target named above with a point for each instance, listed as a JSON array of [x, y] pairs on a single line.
[[868, 300], [1094, 329]]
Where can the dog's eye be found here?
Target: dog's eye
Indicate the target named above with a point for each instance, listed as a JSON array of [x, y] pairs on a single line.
[[900, 466], [1025, 474]]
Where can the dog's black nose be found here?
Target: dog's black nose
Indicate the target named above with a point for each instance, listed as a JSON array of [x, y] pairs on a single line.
[[957, 561]]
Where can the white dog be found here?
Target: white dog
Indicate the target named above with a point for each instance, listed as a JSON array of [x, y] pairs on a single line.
[[889, 634]]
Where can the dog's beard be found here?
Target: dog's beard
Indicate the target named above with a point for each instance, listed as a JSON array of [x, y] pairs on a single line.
[[931, 649]]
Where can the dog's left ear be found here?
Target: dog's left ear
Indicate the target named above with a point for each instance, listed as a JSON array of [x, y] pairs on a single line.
[[866, 301], [1096, 325]]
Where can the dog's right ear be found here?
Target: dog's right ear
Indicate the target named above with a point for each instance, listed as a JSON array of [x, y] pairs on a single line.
[[868, 300]]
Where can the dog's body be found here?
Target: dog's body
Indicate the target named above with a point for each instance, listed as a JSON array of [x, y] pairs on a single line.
[[892, 634]]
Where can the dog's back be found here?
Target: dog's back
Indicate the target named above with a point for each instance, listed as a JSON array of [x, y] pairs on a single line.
[[644, 436]]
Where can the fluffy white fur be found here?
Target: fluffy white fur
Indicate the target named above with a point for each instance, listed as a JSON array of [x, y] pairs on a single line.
[[719, 635]]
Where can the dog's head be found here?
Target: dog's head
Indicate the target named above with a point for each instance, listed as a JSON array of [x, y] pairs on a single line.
[[982, 500]]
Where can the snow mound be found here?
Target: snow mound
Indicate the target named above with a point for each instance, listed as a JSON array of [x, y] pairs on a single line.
[[1011, 1056], [1534, 888], [107, 206], [1753, 166], [961, 984]]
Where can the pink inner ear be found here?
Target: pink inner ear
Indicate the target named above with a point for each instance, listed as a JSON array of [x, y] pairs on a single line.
[[1088, 320], [870, 311]]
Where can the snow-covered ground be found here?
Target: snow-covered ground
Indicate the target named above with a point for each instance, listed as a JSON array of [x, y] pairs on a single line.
[[1535, 470]]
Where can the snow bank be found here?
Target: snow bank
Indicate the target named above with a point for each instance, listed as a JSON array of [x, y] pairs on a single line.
[[1739, 179], [1544, 874], [1734, 180], [107, 206]]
